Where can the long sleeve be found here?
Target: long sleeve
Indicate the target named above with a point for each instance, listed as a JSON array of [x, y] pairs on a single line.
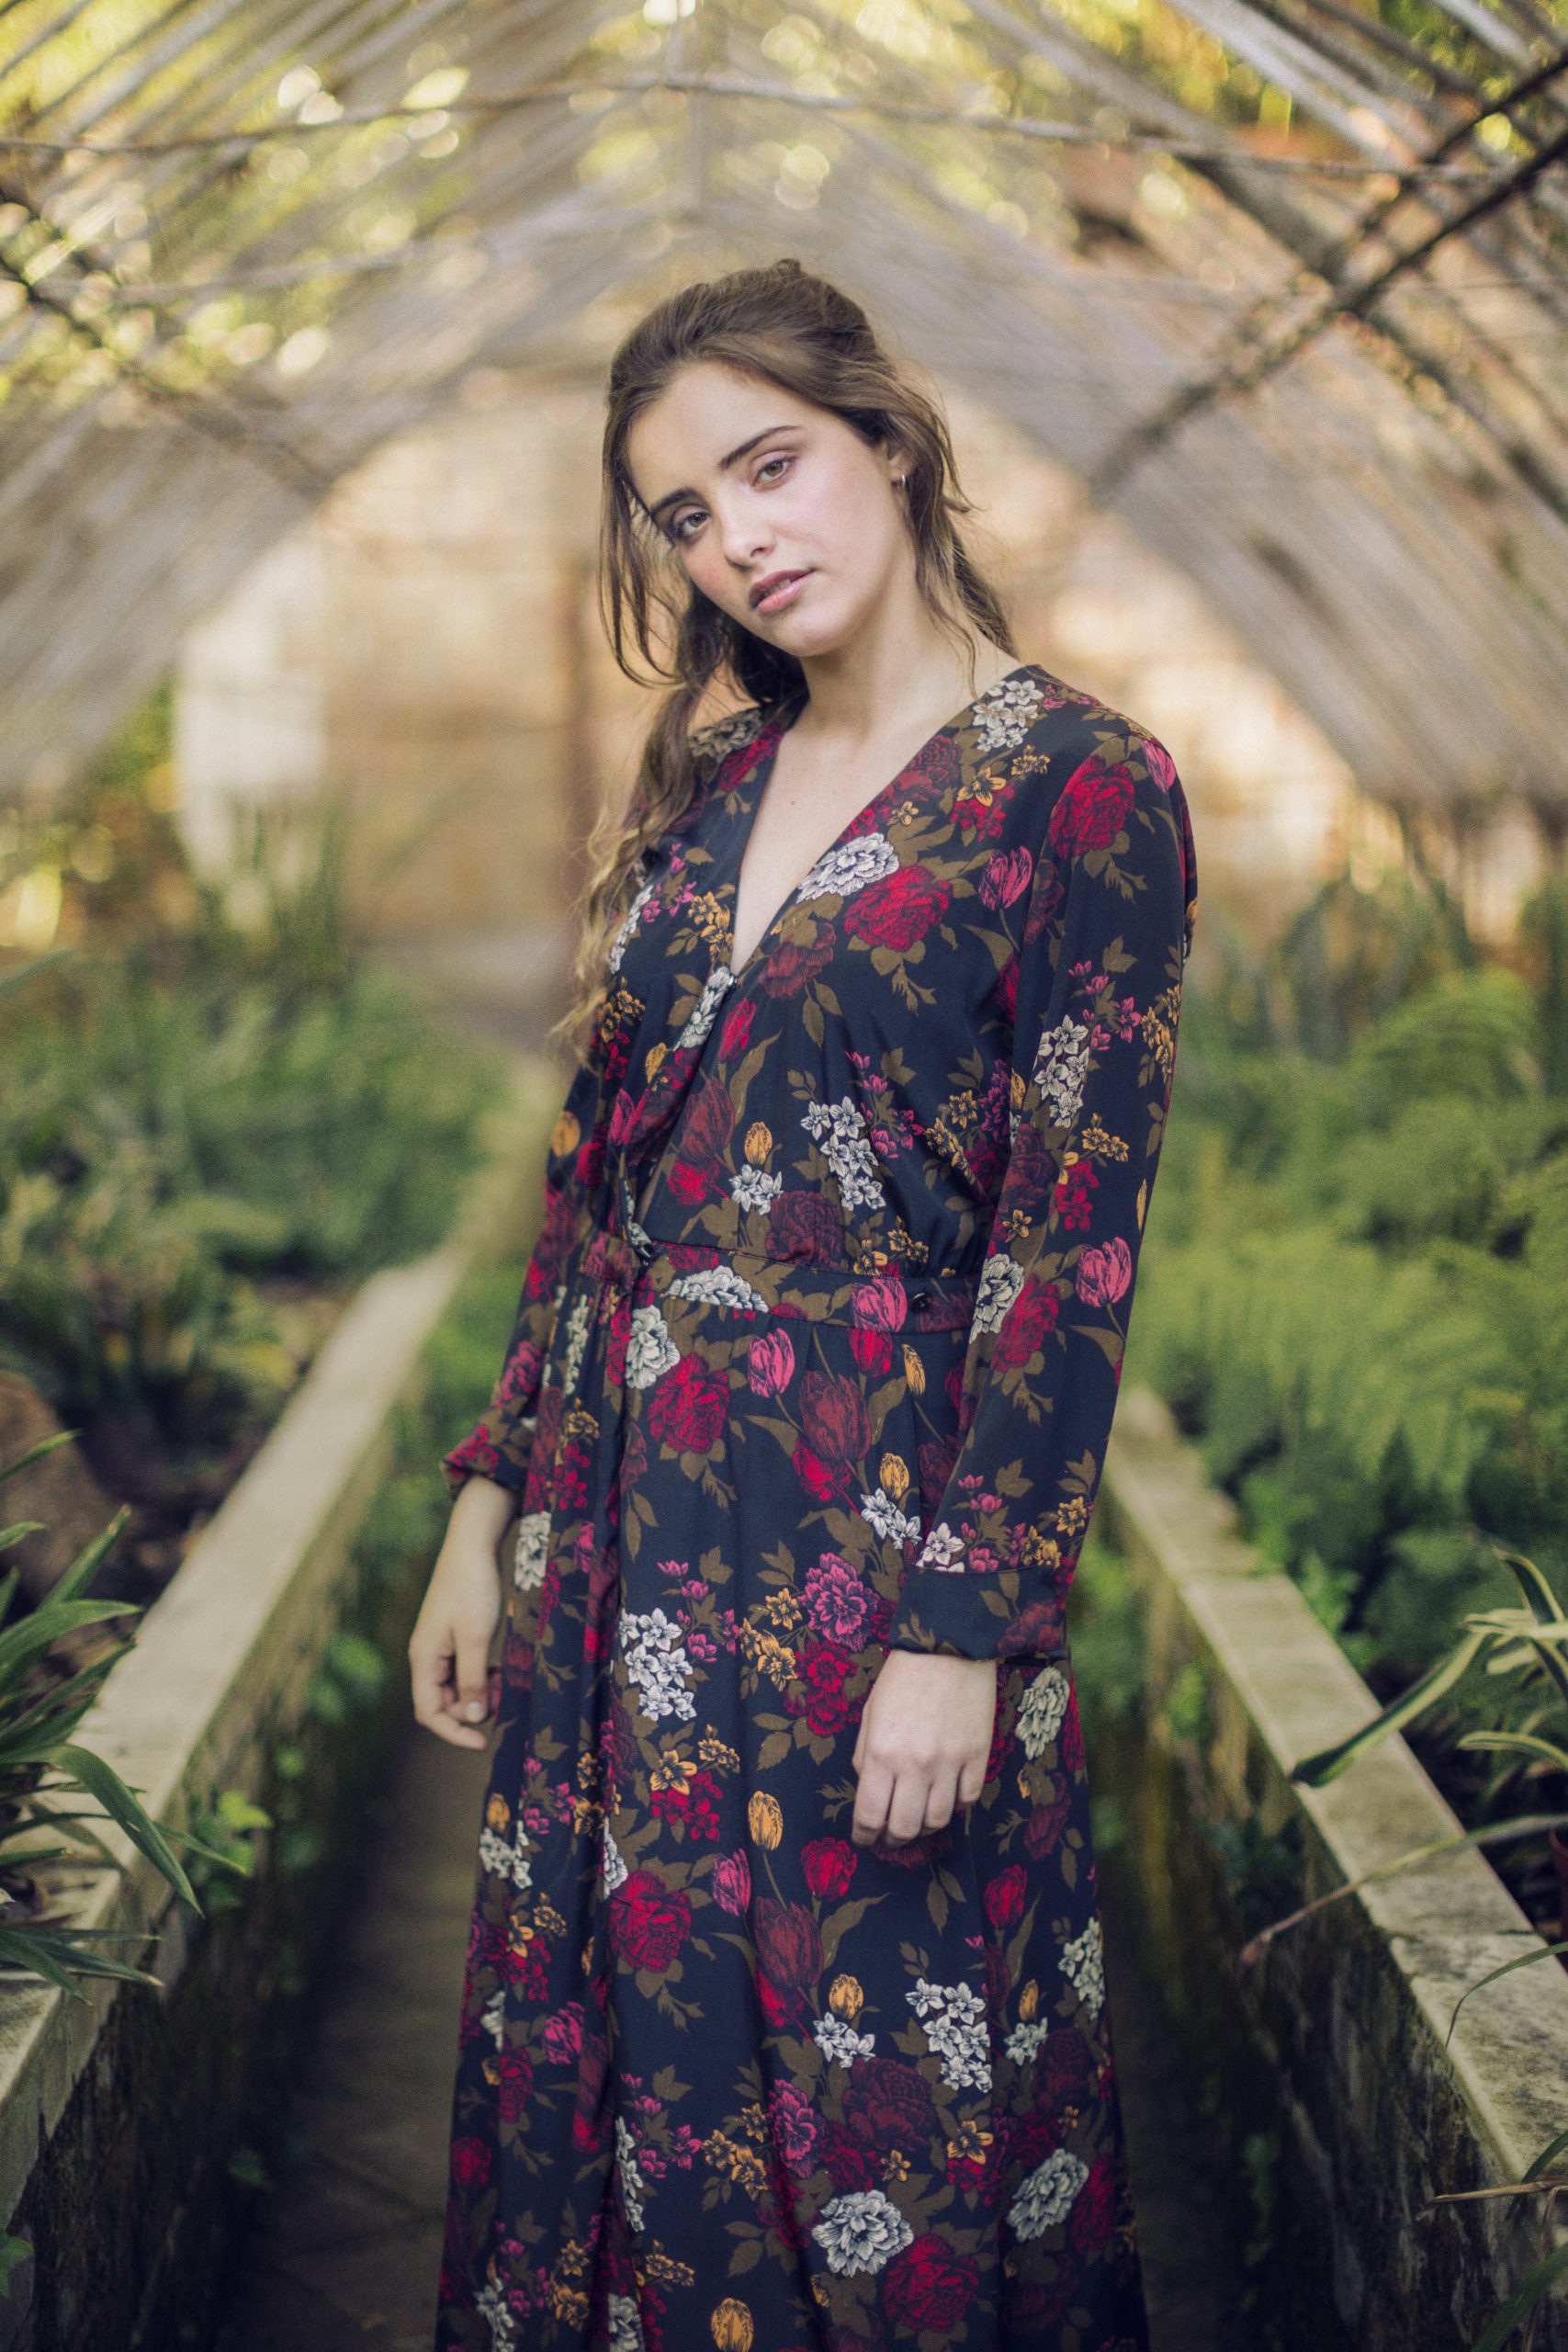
[[499, 1444], [1098, 989]]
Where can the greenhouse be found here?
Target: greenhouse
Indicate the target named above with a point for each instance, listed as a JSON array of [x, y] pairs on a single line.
[[1248, 322]]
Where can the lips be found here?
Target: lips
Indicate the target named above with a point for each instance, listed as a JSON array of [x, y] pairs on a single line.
[[773, 581]]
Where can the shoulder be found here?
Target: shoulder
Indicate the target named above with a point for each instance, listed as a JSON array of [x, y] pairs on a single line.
[[1095, 774], [713, 744]]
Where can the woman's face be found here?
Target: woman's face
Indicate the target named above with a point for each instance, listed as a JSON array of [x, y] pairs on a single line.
[[747, 481]]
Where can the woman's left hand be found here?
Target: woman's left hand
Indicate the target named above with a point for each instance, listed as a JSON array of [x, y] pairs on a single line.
[[925, 1735]]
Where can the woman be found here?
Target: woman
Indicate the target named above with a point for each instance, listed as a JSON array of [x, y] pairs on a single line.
[[784, 2024]]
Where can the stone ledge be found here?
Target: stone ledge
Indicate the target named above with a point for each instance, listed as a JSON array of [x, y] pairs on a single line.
[[1370, 1985], [238, 1632]]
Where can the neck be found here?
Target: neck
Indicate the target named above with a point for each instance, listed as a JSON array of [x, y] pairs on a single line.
[[899, 666]]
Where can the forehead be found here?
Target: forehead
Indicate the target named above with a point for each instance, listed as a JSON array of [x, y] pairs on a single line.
[[698, 418]]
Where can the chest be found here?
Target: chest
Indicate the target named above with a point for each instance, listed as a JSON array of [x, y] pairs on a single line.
[[809, 798]]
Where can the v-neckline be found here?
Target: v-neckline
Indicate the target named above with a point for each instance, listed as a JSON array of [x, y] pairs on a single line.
[[756, 785]]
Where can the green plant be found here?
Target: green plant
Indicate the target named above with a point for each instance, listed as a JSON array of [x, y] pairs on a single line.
[[39, 1761], [1526, 1651]]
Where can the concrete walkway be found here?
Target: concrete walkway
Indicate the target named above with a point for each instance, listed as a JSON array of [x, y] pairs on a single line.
[[348, 2251]]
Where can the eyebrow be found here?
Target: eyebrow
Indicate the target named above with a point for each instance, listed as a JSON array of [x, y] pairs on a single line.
[[734, 457]]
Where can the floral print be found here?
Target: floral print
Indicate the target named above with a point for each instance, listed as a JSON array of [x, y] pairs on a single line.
[[817, 1355]]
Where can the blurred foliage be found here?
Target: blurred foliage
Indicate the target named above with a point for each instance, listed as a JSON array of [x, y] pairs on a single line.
[[1359, 1299], [220, 1112]]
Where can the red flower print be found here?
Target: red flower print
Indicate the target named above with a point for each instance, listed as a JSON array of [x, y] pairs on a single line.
[[649, 1921], [1070, 1743], [1044, 1827], [1065, 2071], [687, 1406], [731, 1883], [789, 1953], [737, 1029], [928, 2285], [1006, 877], [1002, 1897], [851, 2162], [804, 1226], [1093, 809], [1105, 1274], [888, 2105], [1028, 1324], [833, 1418], [561, 2037], [829, 1864], [769, 1363], [836, 1602], [1072, 1202], [470, 2162], [899, 912], [1094, 2207], [873, 1351], [789, 969], [1158, 761], [516, 2081], [882, 1305], [793, 2126]]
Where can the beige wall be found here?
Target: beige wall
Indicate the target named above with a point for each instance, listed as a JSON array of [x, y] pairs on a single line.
[[429, 641]]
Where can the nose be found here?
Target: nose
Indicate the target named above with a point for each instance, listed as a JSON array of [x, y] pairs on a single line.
[[745, 534]]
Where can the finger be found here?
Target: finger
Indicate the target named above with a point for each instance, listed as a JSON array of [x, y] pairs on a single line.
[[430, 1674], [940, 1800], [907, 1814], [871, 1804], [472, 1676], [971, 1780]]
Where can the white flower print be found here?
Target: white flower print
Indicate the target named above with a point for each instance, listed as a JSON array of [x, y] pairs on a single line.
[[634, 914], [631, 2178], [1025, 2040], [853, 865], [626, 2326], [841, 1130], [701, 1019], [1061, 1069], [1046, 2194], [657, 1663], [861, 2230], [529, 1559], [892, 1524], [1001, 1279], [1083, 1965], [616, 1871], [506, 1858], [493, 2017], [720, 1286], [753, 1188], [838, 2041], [1005, 713], [953, 2016], [1044, 1706], [490, 2304], [943, 1549], [651, 1351], [577, 1328]]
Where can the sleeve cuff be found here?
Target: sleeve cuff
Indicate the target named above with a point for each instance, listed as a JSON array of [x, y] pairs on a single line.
[[967, 1613], [479, 1452]]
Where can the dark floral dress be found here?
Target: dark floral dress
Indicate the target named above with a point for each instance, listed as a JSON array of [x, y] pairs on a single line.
[[817, 1354]]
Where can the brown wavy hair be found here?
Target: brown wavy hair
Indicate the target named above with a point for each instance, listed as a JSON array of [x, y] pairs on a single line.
[[785, 326]]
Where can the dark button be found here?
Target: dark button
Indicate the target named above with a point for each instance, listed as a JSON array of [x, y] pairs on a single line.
[[919, 1298]]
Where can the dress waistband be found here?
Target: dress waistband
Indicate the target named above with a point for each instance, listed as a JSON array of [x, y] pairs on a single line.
[[749, 1281]]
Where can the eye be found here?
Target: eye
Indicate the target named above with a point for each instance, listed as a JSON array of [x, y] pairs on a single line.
[[784, 458]]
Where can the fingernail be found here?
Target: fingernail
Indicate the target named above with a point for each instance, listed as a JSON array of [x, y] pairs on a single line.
[[473, 1711]]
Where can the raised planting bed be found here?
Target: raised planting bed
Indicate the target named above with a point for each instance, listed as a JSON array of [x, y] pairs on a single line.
[[1334, 2056], [274, 1666]]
